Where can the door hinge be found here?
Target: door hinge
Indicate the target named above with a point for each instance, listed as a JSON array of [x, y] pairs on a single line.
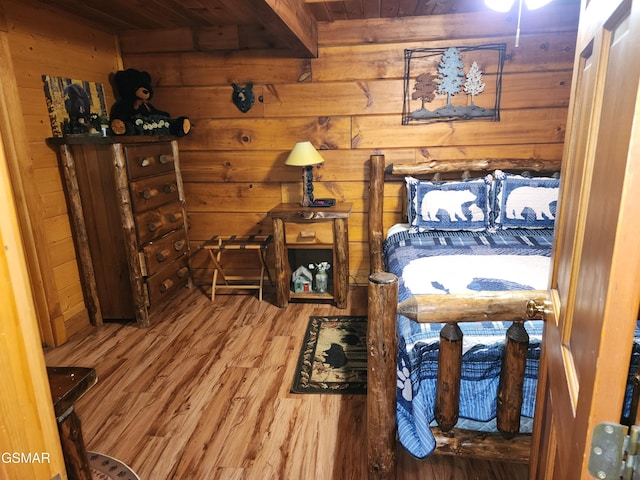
[[614, 454]]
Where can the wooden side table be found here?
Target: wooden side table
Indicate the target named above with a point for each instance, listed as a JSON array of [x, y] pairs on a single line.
[[311, 233], [67, 385]]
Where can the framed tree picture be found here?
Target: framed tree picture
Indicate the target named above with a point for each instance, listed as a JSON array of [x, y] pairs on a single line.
[[75, 106], [453, 83]]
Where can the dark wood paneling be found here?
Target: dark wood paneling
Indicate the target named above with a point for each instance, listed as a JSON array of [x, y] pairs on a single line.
[[41, 42], [270, 134], [462, 25], [207, 69], [542, 52], [514, 127], [349, 100]]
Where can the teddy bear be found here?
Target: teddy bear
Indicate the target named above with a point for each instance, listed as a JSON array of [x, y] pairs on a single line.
[[133, 113]]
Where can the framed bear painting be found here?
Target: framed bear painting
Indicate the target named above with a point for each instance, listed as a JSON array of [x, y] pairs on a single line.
[[74, 106]]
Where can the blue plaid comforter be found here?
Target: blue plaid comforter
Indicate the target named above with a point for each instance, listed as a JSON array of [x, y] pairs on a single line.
[[454, 262]]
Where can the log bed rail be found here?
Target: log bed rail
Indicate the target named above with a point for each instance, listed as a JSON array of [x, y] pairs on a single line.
[[450, 310]]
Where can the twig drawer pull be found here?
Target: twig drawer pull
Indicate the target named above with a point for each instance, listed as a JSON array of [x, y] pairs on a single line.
[[149, 193], [162, 255], [183, 272], [145, 161], [166, 285], [174, 217]]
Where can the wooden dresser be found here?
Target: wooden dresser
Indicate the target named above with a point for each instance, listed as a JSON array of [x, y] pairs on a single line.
[[128, 214]]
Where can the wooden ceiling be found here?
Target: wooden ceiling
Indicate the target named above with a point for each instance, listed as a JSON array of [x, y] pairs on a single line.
[[290, 24]]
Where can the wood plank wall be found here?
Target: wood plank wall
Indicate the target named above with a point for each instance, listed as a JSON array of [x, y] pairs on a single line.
[[43, 42], [348, 102]]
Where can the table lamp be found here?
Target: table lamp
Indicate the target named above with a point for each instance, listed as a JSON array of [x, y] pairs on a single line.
[[305, 155]]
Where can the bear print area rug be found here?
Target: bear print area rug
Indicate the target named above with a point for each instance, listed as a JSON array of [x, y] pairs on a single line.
[[104, 467], [333, 358]]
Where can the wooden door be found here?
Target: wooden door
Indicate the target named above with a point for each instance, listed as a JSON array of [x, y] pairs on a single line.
[[595, 284], [27, 421]]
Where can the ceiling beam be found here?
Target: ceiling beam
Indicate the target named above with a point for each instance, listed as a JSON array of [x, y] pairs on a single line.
[[292, 22]]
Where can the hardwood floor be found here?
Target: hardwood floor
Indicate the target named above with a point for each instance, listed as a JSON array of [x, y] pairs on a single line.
[[203, 394]]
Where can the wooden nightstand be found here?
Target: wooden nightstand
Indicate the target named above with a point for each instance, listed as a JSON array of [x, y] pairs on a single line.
[[303, 235]]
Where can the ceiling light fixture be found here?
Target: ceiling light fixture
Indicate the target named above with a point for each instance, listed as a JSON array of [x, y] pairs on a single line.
[[505, 6]]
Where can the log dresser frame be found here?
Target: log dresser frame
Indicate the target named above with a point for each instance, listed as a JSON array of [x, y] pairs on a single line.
[[128, 214], [449, 309]]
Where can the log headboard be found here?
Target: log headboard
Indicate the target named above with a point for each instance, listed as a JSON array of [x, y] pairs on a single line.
[[379, 170]]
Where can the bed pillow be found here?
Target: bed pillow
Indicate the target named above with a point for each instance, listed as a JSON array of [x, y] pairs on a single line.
[[523, 202], [462, 205]]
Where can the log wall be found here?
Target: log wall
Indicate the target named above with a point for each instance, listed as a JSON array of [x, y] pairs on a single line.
[[348, 102], [43, 42]]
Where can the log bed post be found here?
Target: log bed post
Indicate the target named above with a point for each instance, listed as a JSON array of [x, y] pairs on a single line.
[[447, 405], [382, 346], [510, 394], [376, 202]]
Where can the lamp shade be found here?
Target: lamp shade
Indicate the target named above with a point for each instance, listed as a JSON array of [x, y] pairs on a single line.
[[303, 154]]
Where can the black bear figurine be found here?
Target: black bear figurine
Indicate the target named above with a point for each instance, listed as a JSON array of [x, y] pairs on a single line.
[[133, 113]]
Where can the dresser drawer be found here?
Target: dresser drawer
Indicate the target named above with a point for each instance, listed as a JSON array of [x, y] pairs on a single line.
[[149, 159], [320, 233], [165, 284], [158, 222], [165, 250], [154, 191]]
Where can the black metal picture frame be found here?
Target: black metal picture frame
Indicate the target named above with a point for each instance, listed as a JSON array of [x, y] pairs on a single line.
[[458, 83]]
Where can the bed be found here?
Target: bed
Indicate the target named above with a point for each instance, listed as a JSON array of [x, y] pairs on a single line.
[[453, 359], [460, 375]]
